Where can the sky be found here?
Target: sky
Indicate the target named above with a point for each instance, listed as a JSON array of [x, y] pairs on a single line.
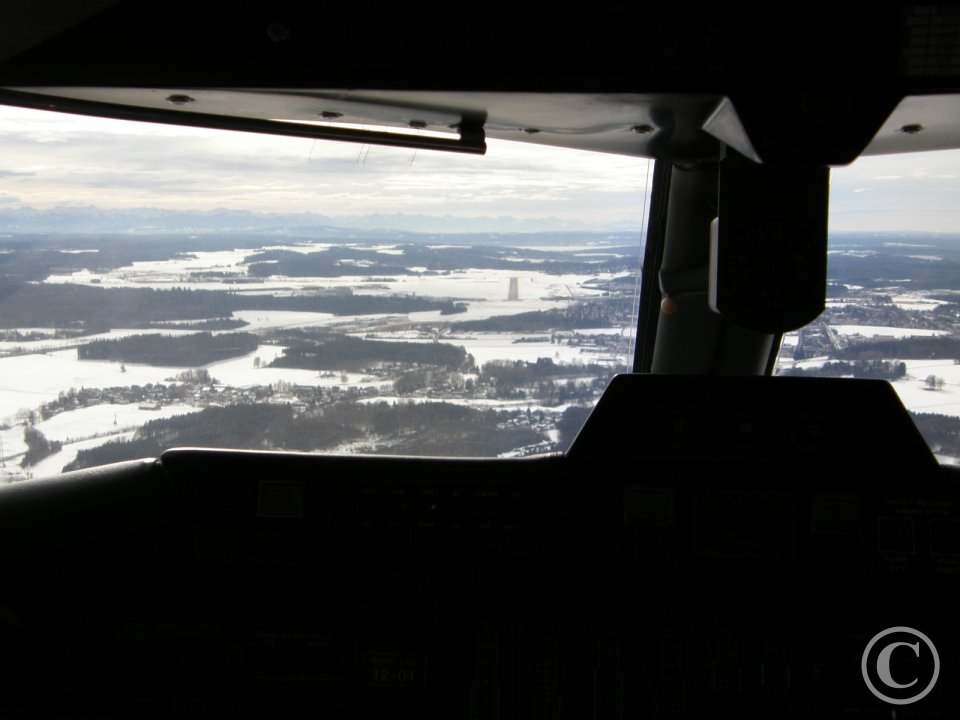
[[51, 159], [917, 192]]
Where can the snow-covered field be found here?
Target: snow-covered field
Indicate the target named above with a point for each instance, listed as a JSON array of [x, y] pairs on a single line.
[[807, 364], [913, 390], [37, 371], [587, 249], [501, 346], [494, 285], [93, 426], [27, 381], [485, 290], [240, 372], [469, 283], [54, 464], [484, 403], [51, 344], [99, 420], [916, 395], [487, 346], [81, 429], [163, 273], [596, 331], [280, 319], [915, 301], [883, 331]]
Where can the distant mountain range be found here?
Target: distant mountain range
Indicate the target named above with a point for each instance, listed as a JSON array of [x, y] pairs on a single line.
[[91, 219]]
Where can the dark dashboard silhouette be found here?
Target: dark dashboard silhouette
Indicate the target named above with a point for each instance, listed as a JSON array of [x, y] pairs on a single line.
[[716, 543]]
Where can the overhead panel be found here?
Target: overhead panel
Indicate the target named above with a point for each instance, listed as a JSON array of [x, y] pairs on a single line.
[[639, 125]]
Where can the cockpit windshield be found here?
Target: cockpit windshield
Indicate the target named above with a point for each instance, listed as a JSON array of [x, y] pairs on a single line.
[[893, 304], [164, 286]]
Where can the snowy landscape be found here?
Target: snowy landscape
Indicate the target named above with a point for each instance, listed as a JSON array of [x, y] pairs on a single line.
[[164, 286], [893, 313], [502, 358], [536, 330]]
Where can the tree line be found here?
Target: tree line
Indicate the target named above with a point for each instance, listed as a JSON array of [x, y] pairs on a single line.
[[312, 350], [170, 350], [942, 432], [872, 369], [96, 309], [908, 348], [406, 428], [584, 315], [341, 260], [510, 378]]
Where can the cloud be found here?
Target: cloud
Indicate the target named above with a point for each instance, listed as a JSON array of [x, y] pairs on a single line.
[[910, 192], [60, 158], [51, 159]]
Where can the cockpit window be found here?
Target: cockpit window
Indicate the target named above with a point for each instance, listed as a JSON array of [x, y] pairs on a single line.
[[164, 286], [893, 306]]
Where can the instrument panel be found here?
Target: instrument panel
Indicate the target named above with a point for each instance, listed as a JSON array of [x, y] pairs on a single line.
[[689, 557]]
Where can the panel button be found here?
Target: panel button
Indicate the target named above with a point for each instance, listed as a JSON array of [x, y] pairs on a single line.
[[744, 430], [648, 507], [945, 537], [896, 535], [674, 431]]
